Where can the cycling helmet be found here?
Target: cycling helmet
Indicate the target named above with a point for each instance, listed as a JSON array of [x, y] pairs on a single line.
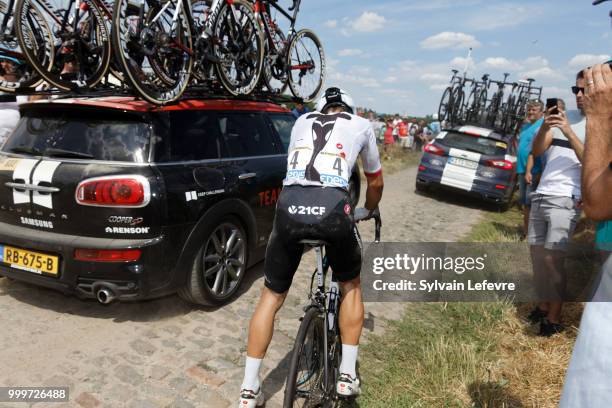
[[335, 97]]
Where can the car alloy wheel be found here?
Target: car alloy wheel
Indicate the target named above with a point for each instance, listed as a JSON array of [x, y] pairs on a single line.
[[224, 260]]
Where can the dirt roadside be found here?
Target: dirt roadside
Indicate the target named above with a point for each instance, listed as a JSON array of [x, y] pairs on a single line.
[[165, 353]]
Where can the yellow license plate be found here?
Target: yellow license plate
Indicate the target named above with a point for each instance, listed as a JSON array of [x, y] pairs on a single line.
[[29, 260]]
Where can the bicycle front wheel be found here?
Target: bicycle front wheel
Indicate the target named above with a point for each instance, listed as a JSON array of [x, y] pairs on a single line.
[[154, 48], [305, 387], [306, 65], [240, 48]]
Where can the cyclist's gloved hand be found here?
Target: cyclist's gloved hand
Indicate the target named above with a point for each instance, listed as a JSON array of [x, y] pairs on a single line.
[[363, 213]]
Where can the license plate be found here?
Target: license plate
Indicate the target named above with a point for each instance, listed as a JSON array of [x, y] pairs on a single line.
[[463, 162], [29, 260]]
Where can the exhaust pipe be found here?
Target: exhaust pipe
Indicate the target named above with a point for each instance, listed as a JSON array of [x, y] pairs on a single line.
[[105, 296]]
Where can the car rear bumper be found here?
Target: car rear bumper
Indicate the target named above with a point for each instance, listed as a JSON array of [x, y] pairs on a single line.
[[127, 280], [498, 188]]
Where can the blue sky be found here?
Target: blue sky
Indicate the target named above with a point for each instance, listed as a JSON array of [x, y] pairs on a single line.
[[396, 55]]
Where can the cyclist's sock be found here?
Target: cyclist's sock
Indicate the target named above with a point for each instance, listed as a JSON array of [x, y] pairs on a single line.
[[349, 360], [251, 374]]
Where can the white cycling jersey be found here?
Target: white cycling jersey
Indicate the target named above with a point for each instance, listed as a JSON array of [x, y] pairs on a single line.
[[324, 148]]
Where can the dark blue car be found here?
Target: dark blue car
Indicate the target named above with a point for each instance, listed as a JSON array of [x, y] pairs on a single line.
[[473, 160]]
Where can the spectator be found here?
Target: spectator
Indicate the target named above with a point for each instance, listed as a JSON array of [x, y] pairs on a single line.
[[555, 208], [421, 138], [413, 131], [435, 125], [528, 181], [396, 122], [388, 138], [587, 383], [403, 134], [300, 109]]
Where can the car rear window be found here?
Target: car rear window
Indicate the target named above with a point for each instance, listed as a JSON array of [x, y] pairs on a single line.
[[67, 133], [477, 144]]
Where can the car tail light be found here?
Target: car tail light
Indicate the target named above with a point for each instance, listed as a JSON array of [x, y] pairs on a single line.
[[107, 255], [422, 168], [500, 187], [433, 149], [114, 191], [501, 164]]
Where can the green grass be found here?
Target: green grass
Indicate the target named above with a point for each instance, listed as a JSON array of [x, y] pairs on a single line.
[[439, 354], [396, 159], [498, 227]]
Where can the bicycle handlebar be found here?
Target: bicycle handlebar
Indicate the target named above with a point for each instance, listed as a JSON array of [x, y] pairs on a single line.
[[295, 3], [378, 223]]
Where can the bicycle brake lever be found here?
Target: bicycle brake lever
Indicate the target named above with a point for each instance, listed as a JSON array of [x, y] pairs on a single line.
[[295, 3]]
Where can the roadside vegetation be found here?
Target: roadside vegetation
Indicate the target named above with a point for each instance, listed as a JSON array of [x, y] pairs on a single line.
[[470, 354], [398, 158]]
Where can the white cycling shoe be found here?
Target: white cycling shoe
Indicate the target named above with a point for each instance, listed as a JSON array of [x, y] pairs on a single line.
[[250, 399], [348, 386]]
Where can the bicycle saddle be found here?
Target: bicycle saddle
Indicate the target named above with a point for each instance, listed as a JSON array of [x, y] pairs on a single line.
[[313, 242]]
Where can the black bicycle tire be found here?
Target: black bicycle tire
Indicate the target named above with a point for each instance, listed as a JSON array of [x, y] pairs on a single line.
[[290, 386], [51, 78], [292, 85], [35, 78], [444, 115], [254, 81], [149, 93]]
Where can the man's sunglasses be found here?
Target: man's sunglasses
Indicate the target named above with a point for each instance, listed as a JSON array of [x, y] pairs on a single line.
[[576, 89]]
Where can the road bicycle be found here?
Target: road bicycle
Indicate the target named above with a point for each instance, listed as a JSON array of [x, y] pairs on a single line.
[[477, 101], [494, 112], [172, 41], [451, 104], [296, 59], [76, 52], [16, 73], [315, 360]]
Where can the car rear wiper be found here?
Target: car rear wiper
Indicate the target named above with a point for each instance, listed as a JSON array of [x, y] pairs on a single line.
[[52, 152], [25, 149]]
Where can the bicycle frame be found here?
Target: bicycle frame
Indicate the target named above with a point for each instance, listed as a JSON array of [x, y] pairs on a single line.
[[260, 9]]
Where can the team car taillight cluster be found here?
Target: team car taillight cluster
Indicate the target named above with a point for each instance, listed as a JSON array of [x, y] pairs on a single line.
[[114, 191]]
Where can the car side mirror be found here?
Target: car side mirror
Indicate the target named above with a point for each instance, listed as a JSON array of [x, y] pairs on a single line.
[[8, 98]]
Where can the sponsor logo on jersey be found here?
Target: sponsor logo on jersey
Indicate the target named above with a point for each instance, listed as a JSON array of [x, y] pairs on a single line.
[[303, 210], [339, 146], [347, 209]]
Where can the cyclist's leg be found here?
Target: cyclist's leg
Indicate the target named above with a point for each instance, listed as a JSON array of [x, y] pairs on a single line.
[[282, 259], [345, 261]]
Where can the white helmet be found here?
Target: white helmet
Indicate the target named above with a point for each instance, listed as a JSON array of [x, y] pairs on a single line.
[[435, 116], [335, 97]]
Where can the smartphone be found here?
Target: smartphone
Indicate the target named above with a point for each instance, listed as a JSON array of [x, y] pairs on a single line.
[[550, 103]]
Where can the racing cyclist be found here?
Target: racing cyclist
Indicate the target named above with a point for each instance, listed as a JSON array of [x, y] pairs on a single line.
[[314, 204]]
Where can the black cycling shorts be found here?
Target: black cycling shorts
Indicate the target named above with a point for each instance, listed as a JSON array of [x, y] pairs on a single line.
[[312, 213]]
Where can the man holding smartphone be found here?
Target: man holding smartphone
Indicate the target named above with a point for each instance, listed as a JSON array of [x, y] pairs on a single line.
[[555, 206]]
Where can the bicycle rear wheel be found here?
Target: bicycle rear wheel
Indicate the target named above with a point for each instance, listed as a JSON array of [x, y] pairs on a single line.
[[304, 387], [81, 55], [15, 71], [445, 104], [155, 53], [240, 48], [306, 65]]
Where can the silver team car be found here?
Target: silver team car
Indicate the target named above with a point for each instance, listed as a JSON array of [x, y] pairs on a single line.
[[470, 159]]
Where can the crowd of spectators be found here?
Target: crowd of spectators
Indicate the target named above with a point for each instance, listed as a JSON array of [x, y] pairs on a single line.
[[411, 134]]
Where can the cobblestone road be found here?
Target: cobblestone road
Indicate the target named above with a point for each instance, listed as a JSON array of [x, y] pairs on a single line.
[[166, 353]]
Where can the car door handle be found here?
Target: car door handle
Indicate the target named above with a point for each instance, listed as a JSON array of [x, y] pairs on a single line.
[[247, 176]]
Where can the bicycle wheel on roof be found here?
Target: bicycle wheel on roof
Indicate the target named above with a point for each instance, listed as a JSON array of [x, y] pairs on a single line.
[[154, 48], [79, 49], [306, 65], [15, 71]]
